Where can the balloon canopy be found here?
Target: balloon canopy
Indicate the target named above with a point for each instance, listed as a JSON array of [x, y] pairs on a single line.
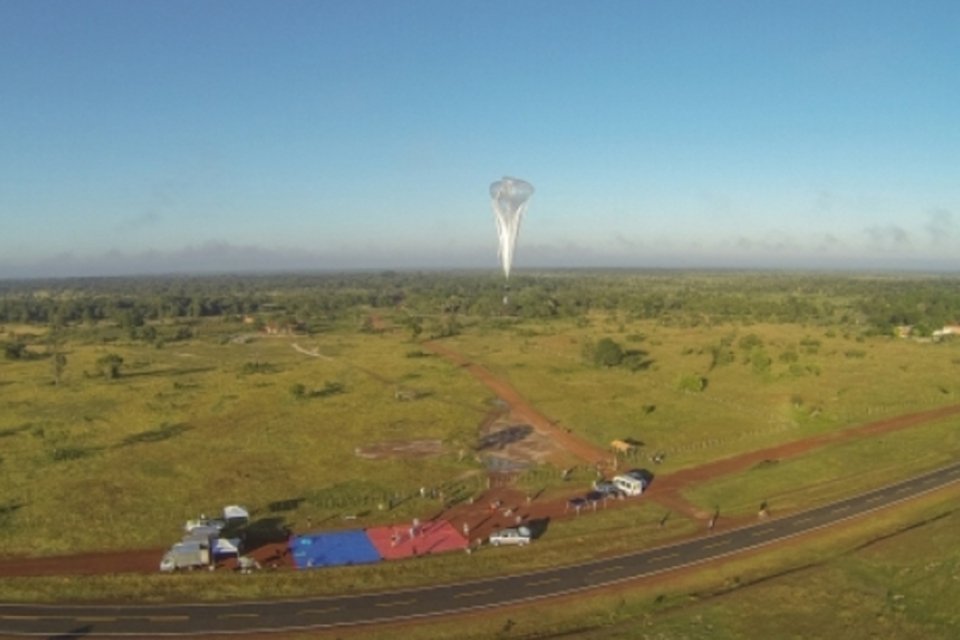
[[510, 198]]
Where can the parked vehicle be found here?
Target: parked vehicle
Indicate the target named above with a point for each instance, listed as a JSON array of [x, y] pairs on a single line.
[[593, 497], [629, 485], [185, 555], [641, 474], [203, 522], [519, 535], [607, 488]]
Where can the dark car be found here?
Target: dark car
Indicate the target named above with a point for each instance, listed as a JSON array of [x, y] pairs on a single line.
[[607, 488], [641, 474]]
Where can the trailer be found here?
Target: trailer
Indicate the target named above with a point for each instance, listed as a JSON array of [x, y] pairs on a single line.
[[629, 485], [189, 555]]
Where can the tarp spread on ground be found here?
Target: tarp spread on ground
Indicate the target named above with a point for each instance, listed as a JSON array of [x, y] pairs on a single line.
[[357, 546], [332, 549], [394, 542]]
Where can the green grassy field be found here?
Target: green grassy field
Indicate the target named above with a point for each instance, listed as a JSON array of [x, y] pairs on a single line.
[[98, 464], [95, 463], [834, 471], [231, 416], [825, 382]]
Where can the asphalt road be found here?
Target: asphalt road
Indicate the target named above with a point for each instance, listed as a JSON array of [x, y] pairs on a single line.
[[68, 621]]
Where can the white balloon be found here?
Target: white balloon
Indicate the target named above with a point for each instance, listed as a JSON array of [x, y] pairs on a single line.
[[510, 198]]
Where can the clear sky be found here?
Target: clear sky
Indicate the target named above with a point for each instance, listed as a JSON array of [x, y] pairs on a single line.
[[155, 136]]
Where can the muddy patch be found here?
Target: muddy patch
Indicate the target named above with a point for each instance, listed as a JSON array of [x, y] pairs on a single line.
[[507, 445], [400, 449]]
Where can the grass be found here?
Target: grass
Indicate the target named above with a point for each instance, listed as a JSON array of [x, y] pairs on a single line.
[[833, 472], [121, 463], [741, 408], [98, 464]]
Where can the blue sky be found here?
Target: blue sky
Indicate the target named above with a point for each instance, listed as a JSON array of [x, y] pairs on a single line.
[[165, 136]]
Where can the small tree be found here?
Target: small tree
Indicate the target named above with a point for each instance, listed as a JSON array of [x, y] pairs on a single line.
[[14, 350], [110, 365], [415, 324], [607, 353], [58, 363], [692, 382]]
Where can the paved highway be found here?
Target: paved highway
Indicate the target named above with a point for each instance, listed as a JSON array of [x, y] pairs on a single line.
[[186, 619]]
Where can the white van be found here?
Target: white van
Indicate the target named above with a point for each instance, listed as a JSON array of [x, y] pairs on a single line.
[[629, 485]]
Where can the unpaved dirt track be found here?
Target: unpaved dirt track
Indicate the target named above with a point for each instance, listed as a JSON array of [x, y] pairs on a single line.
[[519, 407]]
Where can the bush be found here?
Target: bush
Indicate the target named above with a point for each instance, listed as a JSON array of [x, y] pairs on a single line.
[[607, 353], [300, 391], [692, 382], [109, 365], [14, 350], [258, 367]]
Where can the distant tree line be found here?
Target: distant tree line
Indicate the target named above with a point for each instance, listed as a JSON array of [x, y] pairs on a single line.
[[874, 303]]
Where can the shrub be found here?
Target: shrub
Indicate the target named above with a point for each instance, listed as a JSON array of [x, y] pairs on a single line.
[[14, 350], [109, 365], [607, 353], [750, 341], [258, 367], [692, 382]]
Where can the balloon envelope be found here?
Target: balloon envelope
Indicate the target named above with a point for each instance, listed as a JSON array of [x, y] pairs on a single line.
[[510, 198]]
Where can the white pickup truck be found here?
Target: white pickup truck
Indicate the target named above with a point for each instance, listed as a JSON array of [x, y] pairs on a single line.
[[519, 536]]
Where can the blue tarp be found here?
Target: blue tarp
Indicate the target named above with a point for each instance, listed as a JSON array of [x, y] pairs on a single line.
[[333, 548]]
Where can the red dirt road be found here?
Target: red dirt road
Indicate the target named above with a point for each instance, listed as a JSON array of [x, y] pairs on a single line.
[[520, 408], [87, 564]]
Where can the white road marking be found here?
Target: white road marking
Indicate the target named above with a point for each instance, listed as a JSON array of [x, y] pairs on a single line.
[[537, 583], [317, 612], [166, 618], [95, 619], [664, 557], [607, 569], [720, 543], [470, 594], [398, 603]]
